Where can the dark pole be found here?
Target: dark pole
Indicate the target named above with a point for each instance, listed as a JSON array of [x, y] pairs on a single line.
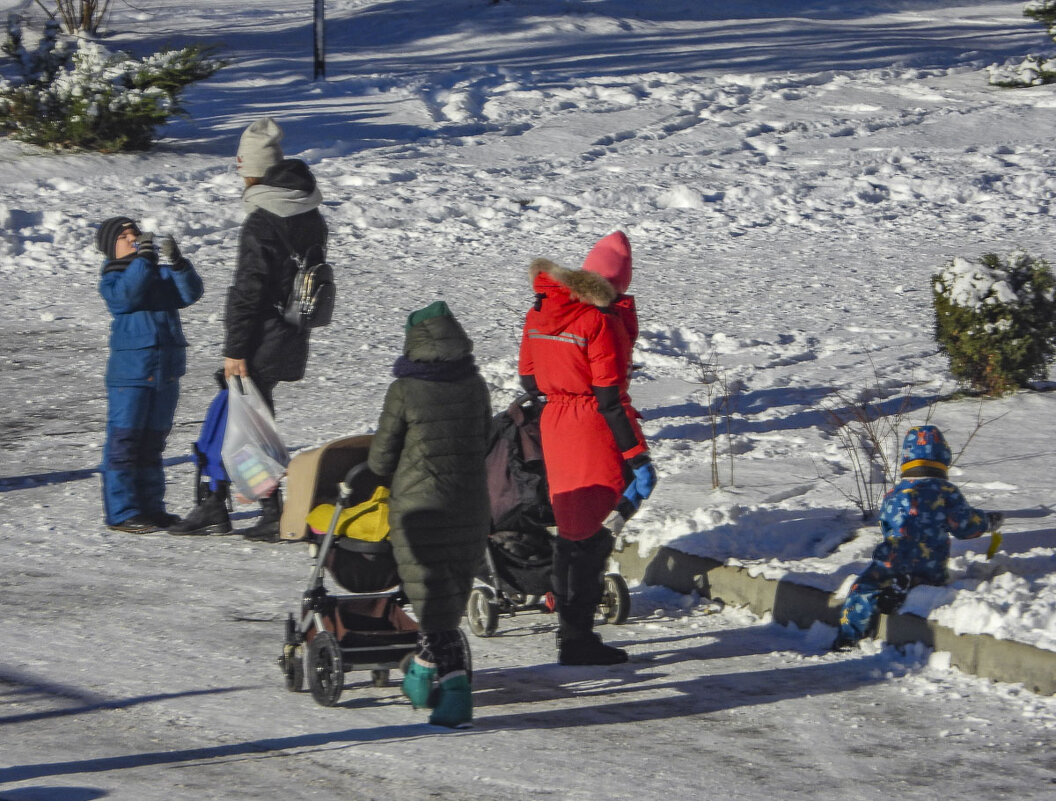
[[320, 43]]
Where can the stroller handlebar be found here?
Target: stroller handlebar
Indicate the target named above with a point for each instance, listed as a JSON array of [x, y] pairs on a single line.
[[348, 483]]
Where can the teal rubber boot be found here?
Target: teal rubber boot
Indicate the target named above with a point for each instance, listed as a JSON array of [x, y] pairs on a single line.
[[454, 703], [418, 684]]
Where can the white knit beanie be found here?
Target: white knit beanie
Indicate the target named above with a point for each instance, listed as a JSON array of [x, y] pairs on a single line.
[[259, 148]]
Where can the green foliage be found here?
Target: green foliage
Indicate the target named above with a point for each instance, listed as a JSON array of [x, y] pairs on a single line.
[[1044, 11], [996, 320], [1033, 70], [88, 98]]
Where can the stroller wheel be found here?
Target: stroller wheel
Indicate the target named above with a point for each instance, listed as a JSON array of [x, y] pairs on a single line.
[[482, 612], [326, 670], [292, 664], [615, 603], [379, 677]]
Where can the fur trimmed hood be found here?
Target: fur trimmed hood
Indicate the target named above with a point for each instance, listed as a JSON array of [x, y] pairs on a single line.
[[585, 286]]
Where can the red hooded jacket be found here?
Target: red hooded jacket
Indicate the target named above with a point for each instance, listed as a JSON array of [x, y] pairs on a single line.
[[570, 347]]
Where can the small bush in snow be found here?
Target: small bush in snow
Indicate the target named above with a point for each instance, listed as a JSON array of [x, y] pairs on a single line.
[[996, 320], [83, 96], [1033, 70]]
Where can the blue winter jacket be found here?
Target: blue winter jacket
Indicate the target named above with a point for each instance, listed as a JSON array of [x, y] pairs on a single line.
[[917, 518], [147, 345]]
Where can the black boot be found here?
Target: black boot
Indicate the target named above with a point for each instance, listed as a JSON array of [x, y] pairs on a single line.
[[578, 572], [589, 650], [267, 528], [208, 517]]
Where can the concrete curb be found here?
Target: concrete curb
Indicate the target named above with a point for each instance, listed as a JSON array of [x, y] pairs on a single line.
[[788, 602]]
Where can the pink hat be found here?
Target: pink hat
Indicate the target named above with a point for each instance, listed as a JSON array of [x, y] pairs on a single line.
[[611, 259]]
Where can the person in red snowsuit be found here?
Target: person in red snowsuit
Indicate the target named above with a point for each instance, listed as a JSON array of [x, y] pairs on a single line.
[[611, 259], [571, 352]]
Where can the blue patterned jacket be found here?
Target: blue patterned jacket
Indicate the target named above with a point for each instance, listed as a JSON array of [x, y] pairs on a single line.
[[917, 518]]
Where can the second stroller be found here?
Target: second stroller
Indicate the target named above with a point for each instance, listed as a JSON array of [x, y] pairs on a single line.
[[518, 560]]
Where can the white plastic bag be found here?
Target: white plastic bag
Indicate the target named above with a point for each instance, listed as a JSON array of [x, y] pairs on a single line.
[[253, 452]]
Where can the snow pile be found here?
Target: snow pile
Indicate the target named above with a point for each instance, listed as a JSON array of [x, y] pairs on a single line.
[[972, 285]]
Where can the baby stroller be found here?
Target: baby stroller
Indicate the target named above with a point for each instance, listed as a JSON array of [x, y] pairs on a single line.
[[364, 629], [515, 575]]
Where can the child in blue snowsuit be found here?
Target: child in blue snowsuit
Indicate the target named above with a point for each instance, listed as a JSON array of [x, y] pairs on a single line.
[[147, 358], [917, 518]]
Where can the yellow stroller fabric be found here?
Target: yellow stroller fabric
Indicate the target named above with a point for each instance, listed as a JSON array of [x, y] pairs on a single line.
[[367, 521]]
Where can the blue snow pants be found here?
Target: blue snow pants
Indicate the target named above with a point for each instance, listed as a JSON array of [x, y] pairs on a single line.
[[138, 421], [881, 589]]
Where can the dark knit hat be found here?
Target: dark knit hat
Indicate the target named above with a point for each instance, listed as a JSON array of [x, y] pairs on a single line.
[[109, 231]]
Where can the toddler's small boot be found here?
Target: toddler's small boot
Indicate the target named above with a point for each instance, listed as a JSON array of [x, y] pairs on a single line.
[[843, 642], [454, 703], [418, 684]]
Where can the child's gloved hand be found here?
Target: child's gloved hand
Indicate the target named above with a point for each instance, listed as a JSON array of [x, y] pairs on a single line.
[[995, 544], [170, 252], [994, 520], [145, 245]]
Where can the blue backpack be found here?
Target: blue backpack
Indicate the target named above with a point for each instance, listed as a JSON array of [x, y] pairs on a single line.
[[207, 447]]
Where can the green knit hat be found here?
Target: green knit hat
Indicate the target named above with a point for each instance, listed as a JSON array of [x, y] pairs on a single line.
[[438, 309]]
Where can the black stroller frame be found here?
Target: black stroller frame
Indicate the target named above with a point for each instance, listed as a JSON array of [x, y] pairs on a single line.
[[508, 583], [320, 647], [496, 594]]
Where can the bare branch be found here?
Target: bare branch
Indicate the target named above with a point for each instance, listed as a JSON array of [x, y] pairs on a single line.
[[46, 11], [979, 423]]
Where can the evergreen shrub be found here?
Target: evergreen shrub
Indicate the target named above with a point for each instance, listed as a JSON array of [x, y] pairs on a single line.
[[80, 95], [1044, 11], [1033, 70], [996, 320]]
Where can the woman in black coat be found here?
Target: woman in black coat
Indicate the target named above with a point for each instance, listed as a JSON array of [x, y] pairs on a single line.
[[282, 224]]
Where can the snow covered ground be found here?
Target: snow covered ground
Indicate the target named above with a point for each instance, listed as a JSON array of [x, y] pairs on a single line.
[[790, 174]]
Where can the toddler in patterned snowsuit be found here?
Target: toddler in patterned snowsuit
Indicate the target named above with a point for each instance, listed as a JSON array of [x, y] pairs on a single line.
[[917, 518]]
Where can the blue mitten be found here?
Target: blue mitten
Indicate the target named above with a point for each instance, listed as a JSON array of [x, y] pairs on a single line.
[[645, 479], [643, 482], [632, 497]]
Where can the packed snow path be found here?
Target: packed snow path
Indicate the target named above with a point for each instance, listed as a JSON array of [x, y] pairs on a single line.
[[720, 705]]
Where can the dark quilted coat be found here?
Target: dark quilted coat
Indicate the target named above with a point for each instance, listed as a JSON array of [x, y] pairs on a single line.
[[432, 440], [264, 275]]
